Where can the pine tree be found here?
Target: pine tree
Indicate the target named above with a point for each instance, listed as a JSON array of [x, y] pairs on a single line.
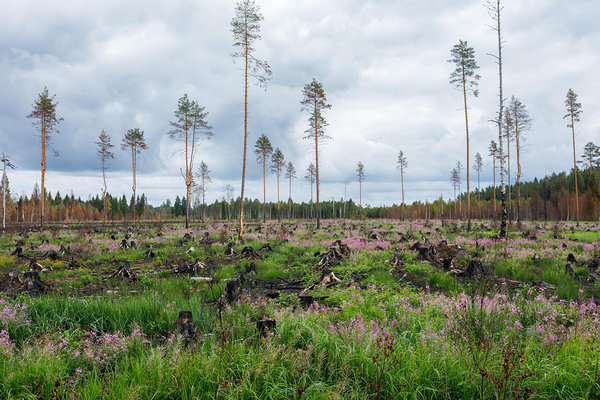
[[245, 27], [478, 166], [277, 164], [135, 142], [360, 174], [314, 101], [401, 166], [572, 115], [263, 151], [464, 77], [310, 177], [45, 119], [290, 173], [521, 122], [105, 153]]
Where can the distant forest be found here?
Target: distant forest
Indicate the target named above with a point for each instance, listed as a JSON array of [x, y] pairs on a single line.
[[549, 198]]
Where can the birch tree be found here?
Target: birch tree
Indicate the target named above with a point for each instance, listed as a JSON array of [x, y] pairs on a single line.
[[45, 119], [135, 142], [314, 101], [190, 128], [464, 77], [203, 175], [245, 27]]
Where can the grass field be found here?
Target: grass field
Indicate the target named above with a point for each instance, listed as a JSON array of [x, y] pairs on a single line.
[[420, 310]]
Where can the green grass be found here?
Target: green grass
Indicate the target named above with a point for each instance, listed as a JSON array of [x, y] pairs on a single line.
[[337, 350]]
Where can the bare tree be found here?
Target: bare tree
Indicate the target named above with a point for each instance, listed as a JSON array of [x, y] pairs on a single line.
[[45, 119], [246, 31], [401, 166], [203, 175], [454, 179], [190, 128], [263, 151], [314, 101], [277, 164], [464, 77], [135, 142], [478, 166], [105, 153], [495, 12], [573, 111], [6, 163], [310, 177], [360, 174], [290, 173], [228, 189], [459, 169], [521, 123]]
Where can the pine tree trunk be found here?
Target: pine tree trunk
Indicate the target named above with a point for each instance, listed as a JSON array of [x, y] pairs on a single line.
[[245, 138], [43, 168], [467, 130], [317, 164], [402, 183], [133, 158], [264, 189], [518, 170], [575, 169], [509, 207]]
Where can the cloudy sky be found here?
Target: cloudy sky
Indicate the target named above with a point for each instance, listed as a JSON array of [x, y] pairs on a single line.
[[117, 65]]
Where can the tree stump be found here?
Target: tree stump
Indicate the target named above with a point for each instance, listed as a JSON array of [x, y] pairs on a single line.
[[233, 289], [186, 327], [32, 284], [264, 326]]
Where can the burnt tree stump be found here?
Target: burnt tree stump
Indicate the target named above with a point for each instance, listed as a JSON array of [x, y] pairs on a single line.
[[264, 326]]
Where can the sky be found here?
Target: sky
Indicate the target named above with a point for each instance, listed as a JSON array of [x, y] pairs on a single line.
[[117, 65]]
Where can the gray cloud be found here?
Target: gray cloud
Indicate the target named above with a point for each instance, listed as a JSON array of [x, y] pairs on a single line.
[[115, 66]]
